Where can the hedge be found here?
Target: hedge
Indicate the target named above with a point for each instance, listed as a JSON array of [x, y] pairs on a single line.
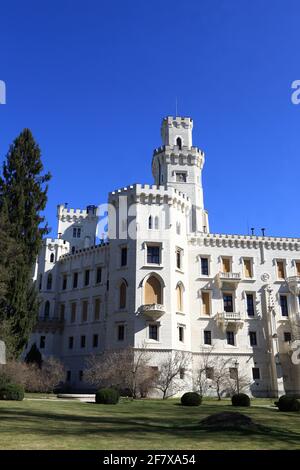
[[191, 399], [107, 396], [286, 403], [240, 399], [12, 391]]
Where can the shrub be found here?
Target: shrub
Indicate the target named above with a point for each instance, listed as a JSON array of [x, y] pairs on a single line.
[[286, 403], [12, 391], [191, 399], [107, 396], [240, 399]]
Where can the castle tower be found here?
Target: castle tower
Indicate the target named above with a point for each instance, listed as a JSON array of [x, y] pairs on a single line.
[[179, 164], [78, 226]]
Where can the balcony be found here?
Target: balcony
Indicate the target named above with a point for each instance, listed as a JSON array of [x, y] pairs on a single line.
[[293, 283], [152, 311], [49, 325], [228, 280], [229, 319]]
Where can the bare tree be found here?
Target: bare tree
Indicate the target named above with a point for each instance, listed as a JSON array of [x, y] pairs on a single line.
[[33, 378], [201, 380], [237, 381], [226, 378], [124, 369], [220, 375], [169, 371]]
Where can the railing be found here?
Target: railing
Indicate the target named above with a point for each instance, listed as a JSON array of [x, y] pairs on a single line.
[[293, 279], [50, 320], [49, 323], [236, 316], [229, 276], [152, 310], [150, 307]]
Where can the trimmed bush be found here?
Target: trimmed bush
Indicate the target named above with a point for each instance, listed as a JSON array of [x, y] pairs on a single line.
[[191, 399], [107, 396], [12, 391], [286, 403], [240, 399]]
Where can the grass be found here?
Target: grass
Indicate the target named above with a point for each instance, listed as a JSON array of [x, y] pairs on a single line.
[[143, 424]]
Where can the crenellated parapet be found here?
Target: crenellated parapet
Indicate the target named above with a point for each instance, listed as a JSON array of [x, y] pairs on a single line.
[[66, 214], [85, 251], [151, 194], [245, 241], [172, 154]]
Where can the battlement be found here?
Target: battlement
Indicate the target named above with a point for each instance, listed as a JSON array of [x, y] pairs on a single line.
[[178, 121], [84, 251], [55, 242], [66, 212], [245, 241], [174, 149], [153, 193]]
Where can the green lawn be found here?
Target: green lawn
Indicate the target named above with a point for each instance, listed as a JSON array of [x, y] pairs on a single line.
[[144, 424]]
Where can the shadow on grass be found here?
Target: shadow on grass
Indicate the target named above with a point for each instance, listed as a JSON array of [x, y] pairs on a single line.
[[55, 424]]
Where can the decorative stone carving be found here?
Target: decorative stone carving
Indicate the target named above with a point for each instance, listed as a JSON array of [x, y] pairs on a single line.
[[265, 277]]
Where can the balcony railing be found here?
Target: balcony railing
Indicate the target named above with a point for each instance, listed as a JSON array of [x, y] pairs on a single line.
[[152, 311], [46, 323], [232, 319], [229, 278], [293, 283]]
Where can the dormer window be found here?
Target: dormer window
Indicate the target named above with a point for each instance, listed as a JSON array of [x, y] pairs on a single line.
[[179, 143]]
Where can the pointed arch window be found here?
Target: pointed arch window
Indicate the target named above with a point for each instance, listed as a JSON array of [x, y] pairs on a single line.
[[179, 143], [156, 223], [153, 291], [49, 282], [47, 309], [122, 295], [52, 258], [150, 223], [179, 297]]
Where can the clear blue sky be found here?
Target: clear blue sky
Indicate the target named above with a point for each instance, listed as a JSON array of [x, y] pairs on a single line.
[[93, 79]]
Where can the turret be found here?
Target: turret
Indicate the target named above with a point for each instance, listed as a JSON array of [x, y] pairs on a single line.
[[179, 164], [77, 226]]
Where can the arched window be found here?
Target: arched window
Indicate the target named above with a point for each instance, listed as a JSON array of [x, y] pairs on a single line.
[[150, 223], [73, 250], [156, 222], [178, 228], [47, 309], [153, 291], [179, 143], [179, 297], [122, 295], [49, 282], [52, 258]]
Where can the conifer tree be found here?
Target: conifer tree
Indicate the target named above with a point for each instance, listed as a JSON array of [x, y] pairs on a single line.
[[23, 197]]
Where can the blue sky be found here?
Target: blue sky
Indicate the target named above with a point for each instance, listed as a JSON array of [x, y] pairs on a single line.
[[93, 79]]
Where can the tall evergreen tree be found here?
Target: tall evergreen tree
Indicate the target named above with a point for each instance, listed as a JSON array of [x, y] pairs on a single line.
[[23, 196]]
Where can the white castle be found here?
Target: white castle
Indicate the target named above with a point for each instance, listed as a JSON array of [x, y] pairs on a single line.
[[161, 279]]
